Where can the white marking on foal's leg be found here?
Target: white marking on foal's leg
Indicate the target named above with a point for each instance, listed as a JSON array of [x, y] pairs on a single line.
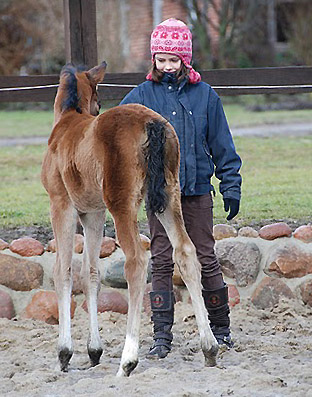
[[65, 346], [135, 270], [129, 358], [95, 347], [93, 224], [208, 342], [187, 262], [190, 271], [64, 228]]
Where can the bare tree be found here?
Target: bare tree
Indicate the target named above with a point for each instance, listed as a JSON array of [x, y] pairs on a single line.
[[300, 32], [111, 29], [31, 34], [239, 26]]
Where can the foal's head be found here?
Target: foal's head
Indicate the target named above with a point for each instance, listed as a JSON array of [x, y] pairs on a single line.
[[78, 90]]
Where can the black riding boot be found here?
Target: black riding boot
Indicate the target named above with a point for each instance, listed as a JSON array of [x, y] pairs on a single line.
[[217, 305], [162, 304]]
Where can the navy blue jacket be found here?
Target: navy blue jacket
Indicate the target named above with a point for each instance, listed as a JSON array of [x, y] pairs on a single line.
[[206, 146]]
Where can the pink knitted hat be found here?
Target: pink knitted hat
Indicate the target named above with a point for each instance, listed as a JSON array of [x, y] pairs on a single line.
[[174, 37]]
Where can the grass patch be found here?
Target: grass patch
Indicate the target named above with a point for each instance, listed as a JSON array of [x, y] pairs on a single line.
[[277, 180], [23, 200], [239, 116], [22, 197], [277, 183], [22, 123], [39, 123]]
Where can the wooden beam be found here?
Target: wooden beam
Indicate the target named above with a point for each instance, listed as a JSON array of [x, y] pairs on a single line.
[[30, 95], [272, 76], [80, 32], [283, 80]]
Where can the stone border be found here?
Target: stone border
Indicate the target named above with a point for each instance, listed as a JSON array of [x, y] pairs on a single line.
[[262, 267]]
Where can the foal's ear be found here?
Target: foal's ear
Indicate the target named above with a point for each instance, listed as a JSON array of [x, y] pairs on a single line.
[[96, 74]]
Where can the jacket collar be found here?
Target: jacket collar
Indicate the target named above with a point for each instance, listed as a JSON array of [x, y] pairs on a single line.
[[171, 78]]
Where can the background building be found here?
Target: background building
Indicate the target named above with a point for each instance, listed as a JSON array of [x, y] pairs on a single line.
[[226, 33]]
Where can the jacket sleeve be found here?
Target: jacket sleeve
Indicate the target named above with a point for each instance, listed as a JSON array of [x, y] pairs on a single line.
[[222, 150], [134, 96]]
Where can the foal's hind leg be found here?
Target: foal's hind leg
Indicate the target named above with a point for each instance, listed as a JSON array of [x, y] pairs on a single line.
[[189, 266], [63, 217], [135, 272], [93, 224]]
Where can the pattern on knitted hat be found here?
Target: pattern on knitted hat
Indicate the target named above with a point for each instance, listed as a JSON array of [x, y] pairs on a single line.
[[174, 37]]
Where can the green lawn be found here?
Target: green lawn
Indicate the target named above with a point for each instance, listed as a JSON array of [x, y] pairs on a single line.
[[238, 116], [39, 123], [24, 123], [23, 201], [277, 182], [277, 179]]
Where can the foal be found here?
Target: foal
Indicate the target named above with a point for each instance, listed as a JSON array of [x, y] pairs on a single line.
[[110, 161]]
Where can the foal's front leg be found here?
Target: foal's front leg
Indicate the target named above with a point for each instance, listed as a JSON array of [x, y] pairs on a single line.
[[64, 223], [93, 224]]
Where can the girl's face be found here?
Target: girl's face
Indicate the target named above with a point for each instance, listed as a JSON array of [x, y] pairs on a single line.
[[168, 63]]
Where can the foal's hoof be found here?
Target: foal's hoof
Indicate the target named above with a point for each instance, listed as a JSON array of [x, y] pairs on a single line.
[[64, 357], [211, 356], [126, 368], [95, 355]]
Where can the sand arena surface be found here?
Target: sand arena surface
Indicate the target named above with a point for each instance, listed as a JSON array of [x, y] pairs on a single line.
[[272, 357]]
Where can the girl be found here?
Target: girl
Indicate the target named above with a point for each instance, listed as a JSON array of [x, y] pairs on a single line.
[[174, 89]]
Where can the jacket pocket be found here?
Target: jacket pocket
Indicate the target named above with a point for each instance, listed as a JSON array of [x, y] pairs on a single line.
[[206, 150], [204, 164]]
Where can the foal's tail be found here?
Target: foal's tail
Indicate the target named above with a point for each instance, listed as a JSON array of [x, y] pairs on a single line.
[[157, 198]]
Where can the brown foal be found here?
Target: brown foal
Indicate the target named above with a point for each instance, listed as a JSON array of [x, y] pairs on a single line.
[[112, 161]]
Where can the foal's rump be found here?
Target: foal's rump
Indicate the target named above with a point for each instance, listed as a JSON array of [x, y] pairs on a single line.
[[140, 152], [112, 159]]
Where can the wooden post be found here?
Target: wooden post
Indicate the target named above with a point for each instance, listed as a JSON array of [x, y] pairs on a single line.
[[80, 32], [271, 18]]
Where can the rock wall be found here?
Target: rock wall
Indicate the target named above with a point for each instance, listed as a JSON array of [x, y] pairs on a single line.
[[262, 267], [267, 266]]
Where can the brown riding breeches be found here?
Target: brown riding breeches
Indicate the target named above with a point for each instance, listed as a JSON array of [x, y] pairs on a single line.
[[198, 219]]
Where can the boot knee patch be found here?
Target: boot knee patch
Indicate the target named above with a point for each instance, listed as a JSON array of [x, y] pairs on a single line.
[[161, 300], [215, 299]]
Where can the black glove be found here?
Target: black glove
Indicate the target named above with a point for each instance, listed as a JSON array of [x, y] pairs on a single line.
[[232, 205]]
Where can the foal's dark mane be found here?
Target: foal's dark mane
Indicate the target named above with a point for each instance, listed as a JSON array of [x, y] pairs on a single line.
[[71, 100]]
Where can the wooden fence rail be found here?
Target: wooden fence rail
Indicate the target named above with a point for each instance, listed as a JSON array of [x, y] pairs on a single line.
[[284, 80]]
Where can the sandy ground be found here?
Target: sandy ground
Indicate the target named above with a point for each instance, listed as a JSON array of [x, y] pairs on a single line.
[[272, 357], [272, 354]]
